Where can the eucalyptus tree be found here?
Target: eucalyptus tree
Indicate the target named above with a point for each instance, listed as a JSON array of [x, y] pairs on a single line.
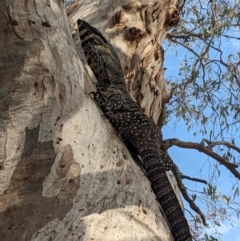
[[64, 174]]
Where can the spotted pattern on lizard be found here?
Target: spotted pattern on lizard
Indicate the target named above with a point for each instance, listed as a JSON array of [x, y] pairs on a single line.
[[136, 129]]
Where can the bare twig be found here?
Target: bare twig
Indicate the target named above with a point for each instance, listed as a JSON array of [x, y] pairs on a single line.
[[177, 175], [217, 143], [194, 179], [177, 42]]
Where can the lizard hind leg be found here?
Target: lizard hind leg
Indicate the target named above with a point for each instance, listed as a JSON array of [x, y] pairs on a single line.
[[101, 100]]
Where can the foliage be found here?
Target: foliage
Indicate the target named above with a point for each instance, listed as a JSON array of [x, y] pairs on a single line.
[[207, 88], [206, 95]]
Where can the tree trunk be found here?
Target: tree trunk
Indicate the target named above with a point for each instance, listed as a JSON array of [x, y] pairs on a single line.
[[64, 174]]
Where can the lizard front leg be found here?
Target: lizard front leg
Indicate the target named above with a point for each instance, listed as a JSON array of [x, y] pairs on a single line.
[[108, 100]]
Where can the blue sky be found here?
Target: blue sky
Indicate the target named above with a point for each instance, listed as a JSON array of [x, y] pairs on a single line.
[[192, 162]]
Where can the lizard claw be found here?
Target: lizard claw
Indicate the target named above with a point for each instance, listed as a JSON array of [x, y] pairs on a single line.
[[92, 94]]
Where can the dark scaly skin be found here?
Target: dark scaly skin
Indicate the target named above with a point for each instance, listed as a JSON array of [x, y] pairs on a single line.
[[137, 130]]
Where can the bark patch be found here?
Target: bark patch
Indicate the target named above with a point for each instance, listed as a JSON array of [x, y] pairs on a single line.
[[23, 209], [65, 162]]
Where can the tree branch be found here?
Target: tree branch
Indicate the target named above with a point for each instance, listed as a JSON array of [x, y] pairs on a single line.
[[217, 143], [189, 34], [205, 149]]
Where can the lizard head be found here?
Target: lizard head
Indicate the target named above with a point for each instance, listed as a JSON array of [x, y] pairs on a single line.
[[101, 56], [89, 33]]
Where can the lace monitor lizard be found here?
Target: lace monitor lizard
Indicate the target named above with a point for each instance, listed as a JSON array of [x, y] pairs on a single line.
[[136, 129]]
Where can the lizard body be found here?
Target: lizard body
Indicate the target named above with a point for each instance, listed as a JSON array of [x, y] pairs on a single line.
[[136, 129]]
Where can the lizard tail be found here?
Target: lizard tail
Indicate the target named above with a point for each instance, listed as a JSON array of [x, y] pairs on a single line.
[[166, 197]]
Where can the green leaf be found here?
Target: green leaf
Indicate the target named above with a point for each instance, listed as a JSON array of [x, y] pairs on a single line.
[[236, 193]]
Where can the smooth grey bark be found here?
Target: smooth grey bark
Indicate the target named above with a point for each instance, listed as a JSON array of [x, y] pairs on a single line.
[[64, 174]]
